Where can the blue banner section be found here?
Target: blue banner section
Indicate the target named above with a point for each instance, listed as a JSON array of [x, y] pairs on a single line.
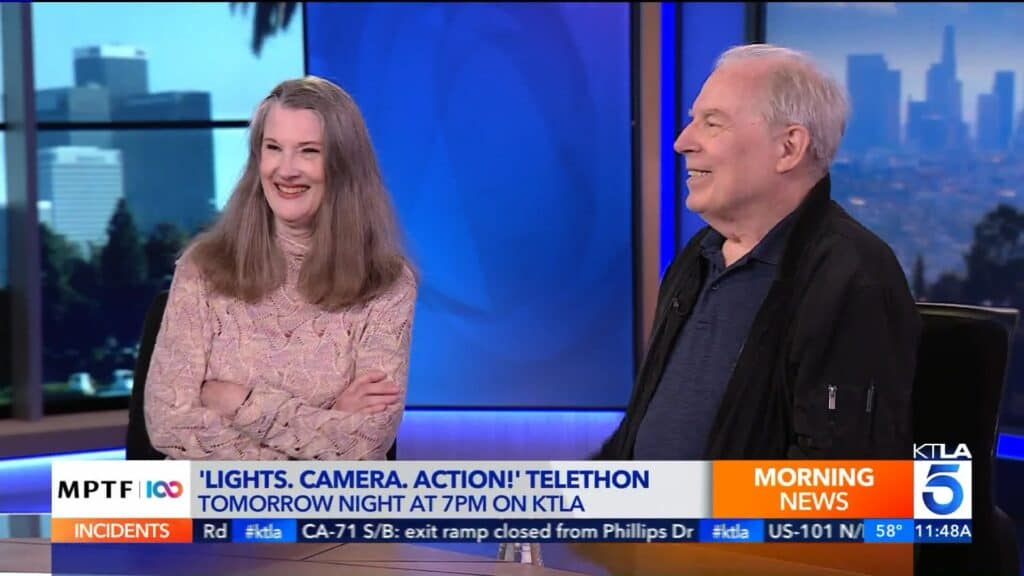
[[888, 530], [943, 531], [814, 530], [255, 530], [154, 559], [486, 530], [720, 530]]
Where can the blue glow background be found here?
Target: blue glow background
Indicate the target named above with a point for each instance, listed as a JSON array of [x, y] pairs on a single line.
[[504, 137]]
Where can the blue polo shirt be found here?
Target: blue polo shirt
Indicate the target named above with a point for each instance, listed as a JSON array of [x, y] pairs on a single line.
[[684, 406]]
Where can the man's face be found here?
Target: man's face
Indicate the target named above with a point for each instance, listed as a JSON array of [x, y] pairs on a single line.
[[730, 152]]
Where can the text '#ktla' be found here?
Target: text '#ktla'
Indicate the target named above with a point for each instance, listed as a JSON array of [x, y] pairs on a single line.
[[269, 530], [717, 530]]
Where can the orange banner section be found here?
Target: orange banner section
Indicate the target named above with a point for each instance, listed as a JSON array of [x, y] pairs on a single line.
[[121, 530], [813, 489]]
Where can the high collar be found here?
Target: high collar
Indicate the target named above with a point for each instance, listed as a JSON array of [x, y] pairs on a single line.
[[292, 248]]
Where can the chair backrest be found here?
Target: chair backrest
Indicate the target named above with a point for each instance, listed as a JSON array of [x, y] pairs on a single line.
[[137, 445], [962, 366]]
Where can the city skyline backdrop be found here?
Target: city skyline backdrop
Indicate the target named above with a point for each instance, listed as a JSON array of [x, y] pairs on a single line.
[[934, 123], [235, 77], [910, 38], [922, 184]]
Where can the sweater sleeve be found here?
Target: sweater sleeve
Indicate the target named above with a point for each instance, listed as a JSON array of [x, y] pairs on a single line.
[[177, 422], [289, 424]]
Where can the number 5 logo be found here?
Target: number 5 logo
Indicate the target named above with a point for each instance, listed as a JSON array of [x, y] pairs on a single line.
[[941, 476]]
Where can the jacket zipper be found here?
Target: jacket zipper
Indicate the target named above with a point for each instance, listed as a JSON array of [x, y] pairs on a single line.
[[831, 397], [871, 398]]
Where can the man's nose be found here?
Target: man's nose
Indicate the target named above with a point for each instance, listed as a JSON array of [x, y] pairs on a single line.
[[684, 143]]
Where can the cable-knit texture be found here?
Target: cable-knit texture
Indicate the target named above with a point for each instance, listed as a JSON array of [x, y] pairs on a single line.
[[296, 358]]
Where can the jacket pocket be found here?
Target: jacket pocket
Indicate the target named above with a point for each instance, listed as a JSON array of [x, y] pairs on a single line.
[[849, 411]]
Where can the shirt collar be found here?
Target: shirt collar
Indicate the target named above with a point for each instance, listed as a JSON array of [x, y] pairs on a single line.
[[768, 250]]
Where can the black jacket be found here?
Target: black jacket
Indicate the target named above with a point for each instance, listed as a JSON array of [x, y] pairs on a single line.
[[827, 368]]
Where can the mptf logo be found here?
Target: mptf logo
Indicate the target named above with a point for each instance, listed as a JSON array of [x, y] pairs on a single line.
[[161, 489], [942, 481]]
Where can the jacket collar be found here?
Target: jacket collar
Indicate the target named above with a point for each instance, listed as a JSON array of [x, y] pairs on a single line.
[[807, 221]]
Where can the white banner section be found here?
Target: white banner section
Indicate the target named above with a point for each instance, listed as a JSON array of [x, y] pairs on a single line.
[[414, 489], [121, 489]]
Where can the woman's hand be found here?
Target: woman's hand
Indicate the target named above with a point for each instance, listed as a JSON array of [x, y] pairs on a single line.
[[223, 397], [369, 393]]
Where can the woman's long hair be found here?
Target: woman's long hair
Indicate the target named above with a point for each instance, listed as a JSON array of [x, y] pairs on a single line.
[[354, 253]]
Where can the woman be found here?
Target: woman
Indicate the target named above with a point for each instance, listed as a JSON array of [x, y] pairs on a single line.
[[287, 328]]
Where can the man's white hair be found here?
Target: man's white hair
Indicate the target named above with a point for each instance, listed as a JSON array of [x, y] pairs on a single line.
[[800, 93]]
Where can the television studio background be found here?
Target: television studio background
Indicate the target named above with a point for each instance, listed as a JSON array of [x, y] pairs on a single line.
[[528, 150]]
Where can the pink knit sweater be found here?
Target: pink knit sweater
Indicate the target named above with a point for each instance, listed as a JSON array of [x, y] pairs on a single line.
[[296, 357]]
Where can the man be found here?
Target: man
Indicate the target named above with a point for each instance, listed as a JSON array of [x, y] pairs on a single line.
[[784, 328]]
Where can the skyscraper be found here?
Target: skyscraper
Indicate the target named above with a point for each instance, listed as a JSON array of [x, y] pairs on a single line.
[[168, 174], [85, 184], [44, 210], [874, 104], [936, 124], [74, 104], [121, 69], [988, 122], [943, 90], [995, 114], [1003, 90]]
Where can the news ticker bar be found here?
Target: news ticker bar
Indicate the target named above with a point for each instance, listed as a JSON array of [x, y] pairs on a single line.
[[281, 530]]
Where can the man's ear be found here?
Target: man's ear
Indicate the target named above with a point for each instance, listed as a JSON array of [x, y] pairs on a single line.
[[794, 145]]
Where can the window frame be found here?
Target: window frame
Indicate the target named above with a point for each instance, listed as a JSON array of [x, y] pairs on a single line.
[[28, 416]]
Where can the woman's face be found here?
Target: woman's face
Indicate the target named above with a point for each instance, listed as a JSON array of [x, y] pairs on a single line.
[[292, 167]]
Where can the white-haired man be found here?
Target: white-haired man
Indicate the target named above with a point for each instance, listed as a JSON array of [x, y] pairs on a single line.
[[784, 328]]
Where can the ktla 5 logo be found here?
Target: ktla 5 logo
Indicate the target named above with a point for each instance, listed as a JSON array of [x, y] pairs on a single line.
[[943, 476], [161, 489], [942, 487]]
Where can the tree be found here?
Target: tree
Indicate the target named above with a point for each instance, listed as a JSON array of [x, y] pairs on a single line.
[[995, 263], [61, 335], [920, 288], [268, 18], [123, 277], [162, 249], [85, 311], [948, 288], [122, 260]]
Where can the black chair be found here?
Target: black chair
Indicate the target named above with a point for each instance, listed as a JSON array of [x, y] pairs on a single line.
[[962, 366], [137, 445]]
